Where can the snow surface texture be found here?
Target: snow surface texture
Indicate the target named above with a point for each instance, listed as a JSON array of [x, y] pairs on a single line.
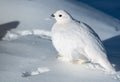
[[11, 35], [37, 72], [26, 54]]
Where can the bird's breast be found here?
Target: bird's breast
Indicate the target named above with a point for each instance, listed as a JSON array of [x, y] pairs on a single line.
[[67, 38], [63, 39], [66, 42]]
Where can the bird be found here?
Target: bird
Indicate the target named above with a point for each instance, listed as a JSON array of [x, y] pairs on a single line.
[[76, 41]]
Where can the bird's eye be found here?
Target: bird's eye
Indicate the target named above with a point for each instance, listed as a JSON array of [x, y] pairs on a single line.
[[60, 15]]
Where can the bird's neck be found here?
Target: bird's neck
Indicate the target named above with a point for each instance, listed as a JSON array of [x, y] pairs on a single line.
[[64, 21]]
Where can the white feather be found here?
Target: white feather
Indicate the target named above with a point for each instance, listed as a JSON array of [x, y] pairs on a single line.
[[74, 40]]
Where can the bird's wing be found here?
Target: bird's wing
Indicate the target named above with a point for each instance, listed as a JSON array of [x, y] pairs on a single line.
[[94, 42]]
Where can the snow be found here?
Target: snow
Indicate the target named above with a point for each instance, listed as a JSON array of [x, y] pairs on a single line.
[[36, 72], [23, 51], [11, 35]]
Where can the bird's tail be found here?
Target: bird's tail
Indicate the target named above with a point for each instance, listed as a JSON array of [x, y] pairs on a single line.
[[107, 66]]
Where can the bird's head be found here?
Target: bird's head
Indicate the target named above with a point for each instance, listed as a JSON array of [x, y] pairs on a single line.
[[62, 16]]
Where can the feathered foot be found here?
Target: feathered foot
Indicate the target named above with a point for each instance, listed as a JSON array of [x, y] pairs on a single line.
[[80, 61], [61, 58]]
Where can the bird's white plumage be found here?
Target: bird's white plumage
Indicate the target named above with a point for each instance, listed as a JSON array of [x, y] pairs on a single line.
[[76, 40]]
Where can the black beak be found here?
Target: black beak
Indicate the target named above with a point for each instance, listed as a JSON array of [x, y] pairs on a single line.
[[52, 15]]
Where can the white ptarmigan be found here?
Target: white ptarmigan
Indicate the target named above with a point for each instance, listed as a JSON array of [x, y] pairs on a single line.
[[76, 41]]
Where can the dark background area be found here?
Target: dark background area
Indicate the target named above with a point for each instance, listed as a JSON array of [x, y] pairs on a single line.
[[111, 7]]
